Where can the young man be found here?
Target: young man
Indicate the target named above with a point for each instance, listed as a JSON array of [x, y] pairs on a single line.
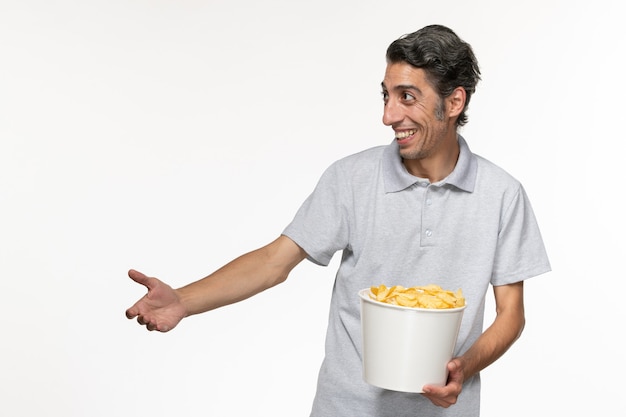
[[422, 209]]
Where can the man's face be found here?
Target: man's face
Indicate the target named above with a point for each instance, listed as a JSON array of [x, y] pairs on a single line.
[[415, 112]]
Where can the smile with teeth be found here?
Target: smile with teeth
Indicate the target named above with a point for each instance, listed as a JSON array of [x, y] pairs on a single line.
[[404, 134]]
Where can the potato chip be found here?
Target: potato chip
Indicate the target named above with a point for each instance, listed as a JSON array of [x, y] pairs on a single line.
[[427, 296]]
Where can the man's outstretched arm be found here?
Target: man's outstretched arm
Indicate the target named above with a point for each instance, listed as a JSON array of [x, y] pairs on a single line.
[[163, 307]]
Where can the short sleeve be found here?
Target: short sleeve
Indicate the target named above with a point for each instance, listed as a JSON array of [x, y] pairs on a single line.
[[520, 252], [321, 225]]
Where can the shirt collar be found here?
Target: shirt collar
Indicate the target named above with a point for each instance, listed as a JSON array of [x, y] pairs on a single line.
[[397, 178]]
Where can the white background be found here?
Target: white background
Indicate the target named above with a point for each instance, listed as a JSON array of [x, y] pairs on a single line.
[[173, 136]]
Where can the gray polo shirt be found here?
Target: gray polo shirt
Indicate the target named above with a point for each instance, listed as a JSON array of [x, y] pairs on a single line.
[[473, 229]]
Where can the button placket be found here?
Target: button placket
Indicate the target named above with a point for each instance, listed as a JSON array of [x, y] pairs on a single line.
[[427, 216]]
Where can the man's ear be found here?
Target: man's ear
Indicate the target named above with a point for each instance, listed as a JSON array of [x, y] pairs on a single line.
[[456, 102]]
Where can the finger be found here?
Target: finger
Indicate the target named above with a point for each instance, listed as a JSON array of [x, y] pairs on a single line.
[[131, 313], [455, 372], [134, 311], [140, 278]]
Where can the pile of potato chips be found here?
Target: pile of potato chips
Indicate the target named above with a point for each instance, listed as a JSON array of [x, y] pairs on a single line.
[[428, 296]]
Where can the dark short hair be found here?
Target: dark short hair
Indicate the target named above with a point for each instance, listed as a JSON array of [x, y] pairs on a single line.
[[448, 61]]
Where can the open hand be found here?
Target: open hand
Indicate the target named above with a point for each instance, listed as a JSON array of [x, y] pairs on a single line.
[[160, 309]]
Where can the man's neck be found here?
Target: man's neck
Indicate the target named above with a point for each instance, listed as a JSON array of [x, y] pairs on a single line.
[[437, 166]]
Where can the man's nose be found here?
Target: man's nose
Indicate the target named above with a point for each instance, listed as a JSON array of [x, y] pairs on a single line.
[[392, 113]]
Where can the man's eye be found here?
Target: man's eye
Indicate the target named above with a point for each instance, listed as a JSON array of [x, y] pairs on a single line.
[[407, 97], [385, 96]]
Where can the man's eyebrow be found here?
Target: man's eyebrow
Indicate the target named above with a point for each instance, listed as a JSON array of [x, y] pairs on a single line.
[[401, 87]]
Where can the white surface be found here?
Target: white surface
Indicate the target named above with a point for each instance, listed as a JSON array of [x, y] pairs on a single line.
[[406, 348], [172, 136]]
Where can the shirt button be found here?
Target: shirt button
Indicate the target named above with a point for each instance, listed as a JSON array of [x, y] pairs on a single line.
[[429, 202], [429, 232]]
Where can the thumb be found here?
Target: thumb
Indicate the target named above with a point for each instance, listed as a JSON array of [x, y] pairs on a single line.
[[455, 370], [140, 278]]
